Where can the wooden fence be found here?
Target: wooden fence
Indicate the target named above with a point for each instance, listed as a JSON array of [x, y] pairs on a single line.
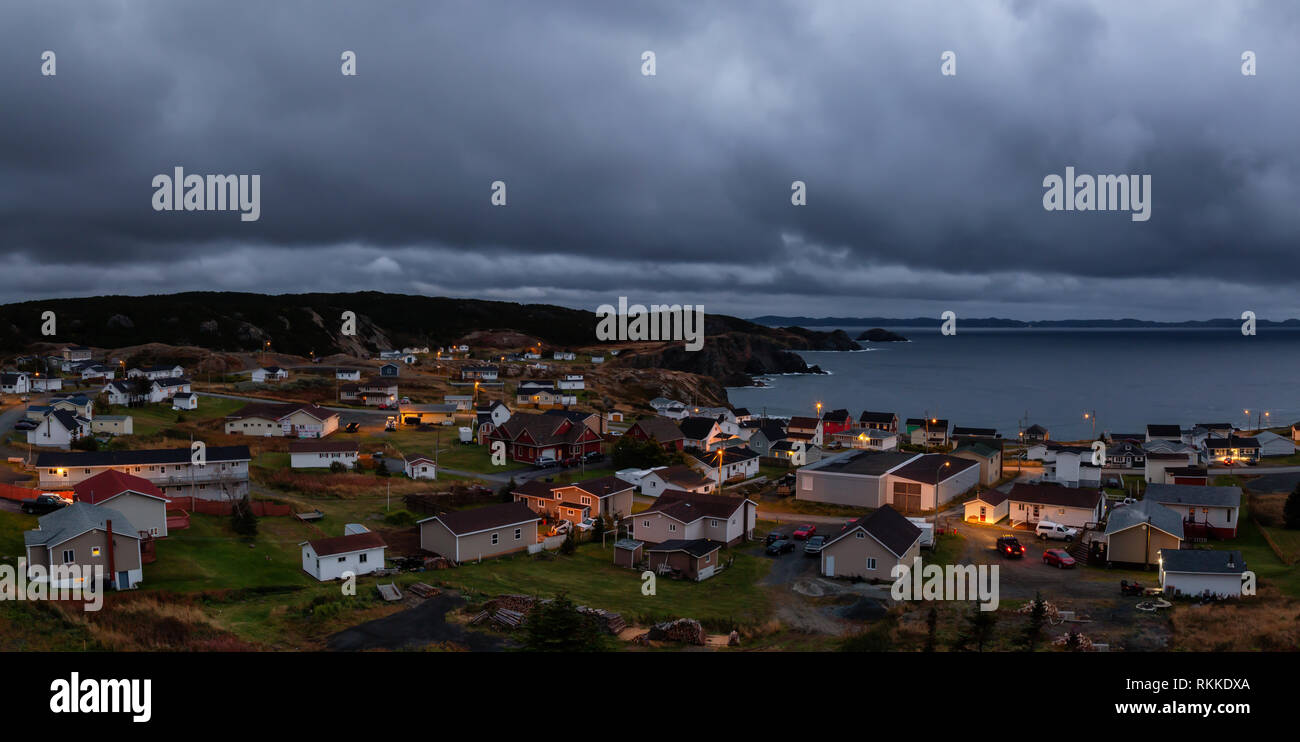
[[261, 508]]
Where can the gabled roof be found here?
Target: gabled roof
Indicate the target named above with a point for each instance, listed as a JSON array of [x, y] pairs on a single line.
[[771, 430], [862, 463], [696, 547], [808, 423], [112, 483], [730, 455], [978, 448], [1203, 561], [934, 424], [932, 468], [868, 416], [661, 429], [697, 428], [600, 487], [887, 526], [681, 475], [316, 445], [75, 519], [1233, 442], [688, 507], [347, 544], [976, 432], [276, 411], [1145, 511], [1194, 495], [543, 430], [1164, 430], [838, 416], [1047, 494], [464, 522], [1036, 428]]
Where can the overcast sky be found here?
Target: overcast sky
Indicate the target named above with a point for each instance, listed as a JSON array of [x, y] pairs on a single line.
[[924, 190]]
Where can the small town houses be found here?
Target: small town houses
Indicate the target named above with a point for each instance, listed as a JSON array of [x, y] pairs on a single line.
[[87, 536], [883, 421], [661, 430], [1137, 533], [153, 373], [593, 498], [734, 463], [1030, 503], [1196, 572], [683, 478], [272, 419], [1232, 450], [58, 429], [1206, 510], [420, 467], [693, 559], [870, 547], [15, 382], [333, 558], [316, 453], [910, 482], [480, 533], [373, 392], [533, 439], [679, 515], [269, 374]]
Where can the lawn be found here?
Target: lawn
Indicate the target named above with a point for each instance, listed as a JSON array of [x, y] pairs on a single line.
[[12, 526], [209, 556], [1260, 557], [150, 419], [589, 577]]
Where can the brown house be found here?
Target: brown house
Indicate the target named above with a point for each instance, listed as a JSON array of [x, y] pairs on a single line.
[[694, 559], [592, 498], [480, 533], [687, 516], [871, 546], [78, 535], [659, 429]]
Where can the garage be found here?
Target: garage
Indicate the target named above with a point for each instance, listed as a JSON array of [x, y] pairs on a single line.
[[1195, 572]]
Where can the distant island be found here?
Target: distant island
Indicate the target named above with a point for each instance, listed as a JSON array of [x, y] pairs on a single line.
[[881, 335], [877, 322]]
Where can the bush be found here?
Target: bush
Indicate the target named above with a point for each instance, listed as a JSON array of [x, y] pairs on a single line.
[[338, 467], [87, 443], [400, 518], [1291, 510]]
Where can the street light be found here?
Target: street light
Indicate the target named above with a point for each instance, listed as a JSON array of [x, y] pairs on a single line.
[[1092, 415]]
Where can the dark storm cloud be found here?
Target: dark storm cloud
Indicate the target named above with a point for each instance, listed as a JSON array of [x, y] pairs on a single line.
[[924, 191]]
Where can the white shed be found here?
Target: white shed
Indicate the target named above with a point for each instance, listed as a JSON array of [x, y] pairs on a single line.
[[421, 467], [1198, 571], [357, 553]]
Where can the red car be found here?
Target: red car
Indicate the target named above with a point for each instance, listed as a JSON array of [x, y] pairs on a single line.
[[1058, 557], [804, 531]]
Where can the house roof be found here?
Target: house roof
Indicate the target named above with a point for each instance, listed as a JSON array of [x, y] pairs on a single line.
[[661, 429], [730, 455], [112, 483], [978, 432], [868, 416], [689, 507], [1145, 511], [978, 448], [934, 424], [347, 544], [802, 422], [545, 430], [932, 468], [838, 416], [887, 526], [1194, 495], [681, 475], [630, 544], [697, 428], [75, 519], [992, 497], [1233, 442], [601, 487], [462, 522], [1047, 494], [72, 459], [1164, 430], [315, 445], [1035, 428], [276, 411], [864, 463], [1203, 561], [696, 547]]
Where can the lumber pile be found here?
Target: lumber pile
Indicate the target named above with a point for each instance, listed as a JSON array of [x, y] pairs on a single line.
[[509, 619], [609, 622], [423, 590], [682, 631]]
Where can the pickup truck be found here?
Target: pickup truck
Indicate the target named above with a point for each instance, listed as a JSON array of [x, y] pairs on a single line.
[[42, 504]]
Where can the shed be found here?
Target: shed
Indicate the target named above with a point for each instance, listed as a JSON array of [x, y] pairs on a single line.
[[1198, 571], [694, 559], [628, 552]]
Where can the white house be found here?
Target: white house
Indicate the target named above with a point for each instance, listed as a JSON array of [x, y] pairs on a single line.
[[58, 428], [564, 355], [571, 381], [1272, 444], [270, 373], [15, 383], [112, 425], [185, 401], [347, 374], [678, 477], [1070, 506], [1195, 572], [315, 453], [161, 390], [737, 463], [1072, 469], [421, 467], [156, 372], [46, 384], [97, 371], [118, 392], [330, 558]]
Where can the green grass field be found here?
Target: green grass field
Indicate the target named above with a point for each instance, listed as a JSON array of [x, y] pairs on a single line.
[[152, 418], [589, 577], [210, 556]]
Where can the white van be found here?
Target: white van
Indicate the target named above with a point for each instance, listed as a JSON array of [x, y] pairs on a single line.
[[1047, 529]]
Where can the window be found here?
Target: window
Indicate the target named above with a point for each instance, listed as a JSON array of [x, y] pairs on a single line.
[[519, 533], [645, 523], [713, 524], [94, 551], [362, 557], [871, 563], [860, 534], [342, 559], [495, 539], [672, 526], [69, 556]]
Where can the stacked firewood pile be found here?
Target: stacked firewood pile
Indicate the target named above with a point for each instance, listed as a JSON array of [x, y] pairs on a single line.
[[610, 622], [423, 590], [517, 603], [682, 630]]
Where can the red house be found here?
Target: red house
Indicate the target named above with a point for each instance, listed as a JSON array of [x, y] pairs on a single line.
[[530, 438], [660, 429], [835, 421]]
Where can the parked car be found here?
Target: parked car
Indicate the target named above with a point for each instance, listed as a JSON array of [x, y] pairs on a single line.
[[813, 546], [1058, 558], [26, 424], [587, 524], [42, 504], [593, 456], [804, 531], [406, 400], [780, 546], [1010, 546], [545, 462], [1047, 529], [774, 536]]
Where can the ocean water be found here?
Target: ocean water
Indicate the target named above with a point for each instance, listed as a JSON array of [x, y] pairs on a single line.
[[997, 377]]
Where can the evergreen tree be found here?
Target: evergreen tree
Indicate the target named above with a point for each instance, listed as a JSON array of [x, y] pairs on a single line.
[[1291, 510], [242, 519], [557, 626], [1037, 620], [931, 629], [505, 494], [977, 629]]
